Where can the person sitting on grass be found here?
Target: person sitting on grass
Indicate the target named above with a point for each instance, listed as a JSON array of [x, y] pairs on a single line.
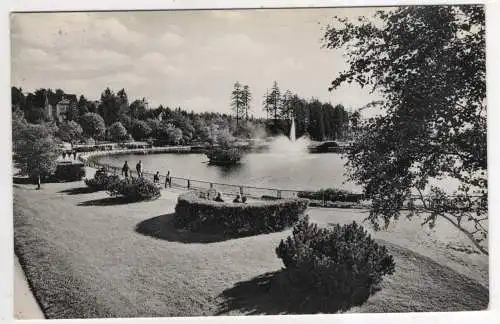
[[156, 177], [237, 199], [219, 198], [244, 199]]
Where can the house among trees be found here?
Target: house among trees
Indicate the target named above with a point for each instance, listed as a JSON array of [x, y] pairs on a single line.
[[58, 108]]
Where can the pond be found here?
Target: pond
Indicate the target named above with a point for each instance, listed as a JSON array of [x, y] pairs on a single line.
[[275, 170]]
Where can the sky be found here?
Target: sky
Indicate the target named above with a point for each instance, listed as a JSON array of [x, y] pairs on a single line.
[[189, 59]]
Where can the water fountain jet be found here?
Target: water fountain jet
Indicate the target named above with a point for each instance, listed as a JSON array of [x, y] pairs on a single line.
[[290, 145]]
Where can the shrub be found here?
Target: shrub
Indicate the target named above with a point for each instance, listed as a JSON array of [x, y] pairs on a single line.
[[102, 180], [70, 171], [343, 262], [331, 194], [134, 189], [224, 155], [236, 219]]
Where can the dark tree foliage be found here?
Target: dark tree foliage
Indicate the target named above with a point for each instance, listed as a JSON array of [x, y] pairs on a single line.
[[140, 130], [342, 262], [35, 149], [93, 125], [112, 105], [70, 132], [429, 64], [237, 102]]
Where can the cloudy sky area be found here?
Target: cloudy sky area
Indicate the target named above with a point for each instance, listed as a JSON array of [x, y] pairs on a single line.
[[182, 58]]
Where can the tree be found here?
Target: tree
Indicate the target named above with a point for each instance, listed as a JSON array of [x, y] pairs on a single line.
[[272, 102], [122, 102], [168, 133], [246, 98], [109, 107], [138, 108], [154, 124], [237, 103], [429, 64], [82, 106], [35, 150], [140, 129], [286, 104], [70, 132], [93, 125], [117, 132], [18, 99], [18, 123]]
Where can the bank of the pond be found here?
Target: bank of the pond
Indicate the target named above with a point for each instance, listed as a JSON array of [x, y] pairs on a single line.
[[259, 174]]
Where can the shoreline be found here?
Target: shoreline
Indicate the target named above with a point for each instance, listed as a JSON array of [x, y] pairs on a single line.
[[90, 159]]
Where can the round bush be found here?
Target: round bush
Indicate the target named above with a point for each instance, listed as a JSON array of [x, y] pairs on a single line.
[[102, 180], [198, 214], [134, 189], [342, 262]]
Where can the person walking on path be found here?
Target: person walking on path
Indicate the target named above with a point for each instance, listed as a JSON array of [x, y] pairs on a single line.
[[138, 167], [125, 169], [168, 180]]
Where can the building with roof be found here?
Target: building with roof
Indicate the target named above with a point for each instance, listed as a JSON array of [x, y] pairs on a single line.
[[58, 109]]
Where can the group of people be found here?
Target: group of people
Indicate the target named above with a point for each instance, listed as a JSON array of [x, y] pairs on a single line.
[[140, 173], [238, 199], [126, 169], [69, 154]]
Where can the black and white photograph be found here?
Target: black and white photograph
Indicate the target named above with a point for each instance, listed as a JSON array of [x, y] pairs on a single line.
[[258, 161]]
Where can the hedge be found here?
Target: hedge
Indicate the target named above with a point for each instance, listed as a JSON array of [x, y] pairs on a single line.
[[342, 262], [236, 219], [331, 194]]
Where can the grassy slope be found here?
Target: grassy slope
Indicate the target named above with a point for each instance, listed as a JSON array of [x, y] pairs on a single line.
[[88, 261]]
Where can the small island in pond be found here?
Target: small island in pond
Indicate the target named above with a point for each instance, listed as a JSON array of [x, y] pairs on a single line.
[[224, 156]]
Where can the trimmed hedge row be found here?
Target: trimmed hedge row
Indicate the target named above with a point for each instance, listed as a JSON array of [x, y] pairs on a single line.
[[331, 194], [236, 219]]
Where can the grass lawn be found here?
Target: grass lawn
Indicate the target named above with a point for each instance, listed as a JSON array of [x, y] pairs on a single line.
[[88, 256]]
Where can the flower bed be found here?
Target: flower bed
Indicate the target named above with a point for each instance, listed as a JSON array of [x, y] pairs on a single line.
[[198, 214]]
